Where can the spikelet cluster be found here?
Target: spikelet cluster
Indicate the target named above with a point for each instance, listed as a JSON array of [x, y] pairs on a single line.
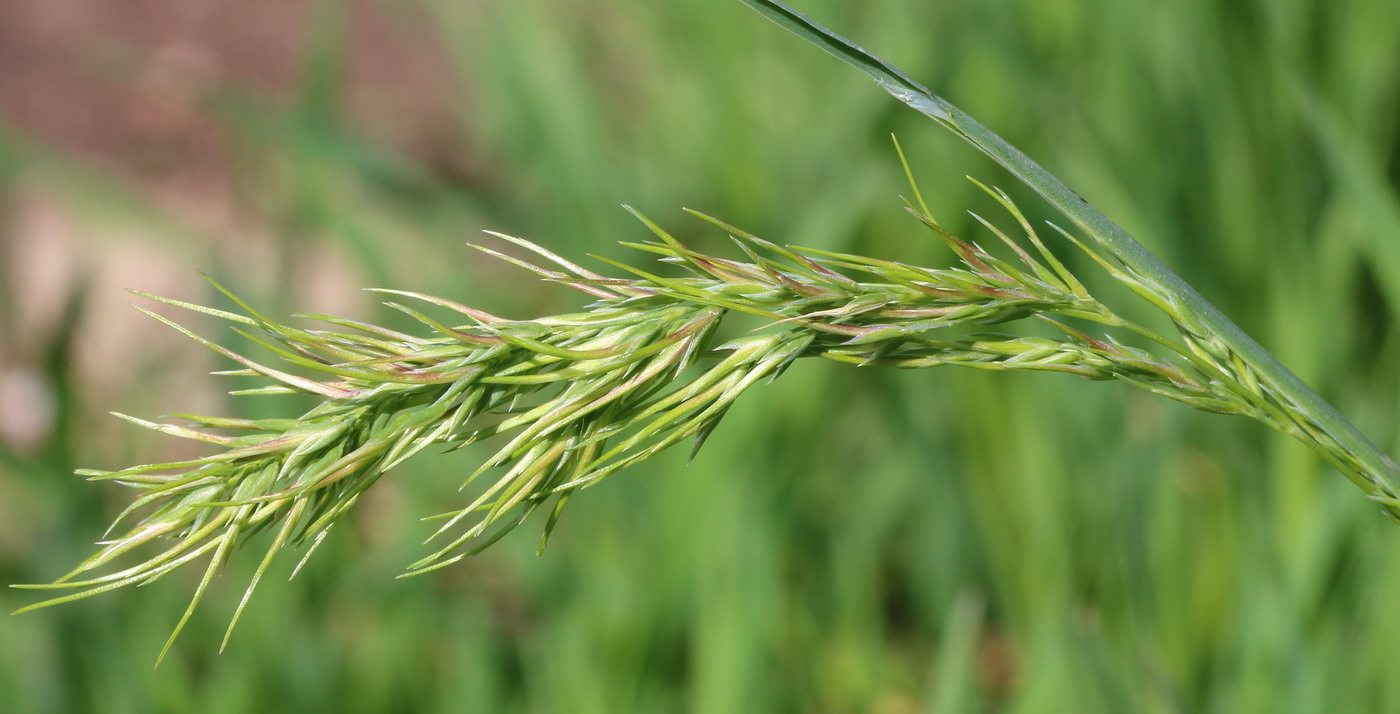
[[576, 397]]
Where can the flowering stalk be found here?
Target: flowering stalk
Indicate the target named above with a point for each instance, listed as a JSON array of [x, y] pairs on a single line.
[[579, 396]]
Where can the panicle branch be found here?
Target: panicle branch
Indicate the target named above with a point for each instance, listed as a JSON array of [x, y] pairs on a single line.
[[575, 397]]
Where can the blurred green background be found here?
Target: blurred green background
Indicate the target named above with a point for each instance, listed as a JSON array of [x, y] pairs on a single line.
[[849, 540]]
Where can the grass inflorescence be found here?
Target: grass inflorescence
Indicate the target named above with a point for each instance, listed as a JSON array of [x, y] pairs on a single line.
[[576, 397]]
